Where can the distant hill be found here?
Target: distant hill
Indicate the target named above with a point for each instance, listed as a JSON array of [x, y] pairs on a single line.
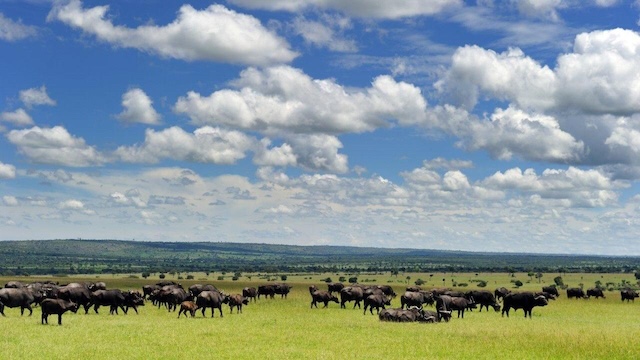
[[117, 256]]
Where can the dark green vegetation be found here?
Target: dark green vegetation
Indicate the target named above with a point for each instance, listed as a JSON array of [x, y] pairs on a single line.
[[35, 257]]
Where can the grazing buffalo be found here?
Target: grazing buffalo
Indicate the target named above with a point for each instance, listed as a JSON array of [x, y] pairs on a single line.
[[237, 301], [376, 301], [266, 290], [322, 297], [56, 306], [76, 293], [577, 293], [500, 293], [335, 287], [213, 300], [628, 294], [551, 290], [282, 289], [524, 300], [416, 298], [17, 297], [113, 298], [187, 306], [484, 298], [595, 292], [351, 293], [387, 290], [250, 293]]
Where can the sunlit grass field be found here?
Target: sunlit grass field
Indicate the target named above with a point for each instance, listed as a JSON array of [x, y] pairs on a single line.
[[289, 329]]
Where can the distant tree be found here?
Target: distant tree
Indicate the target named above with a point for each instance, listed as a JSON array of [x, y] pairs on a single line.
[[530, 275], [327, 280], [517, 283], [419, 282], [637, 274], [394, 273], [482, 283], [283, 277], [558, 281], [342, 279], [189, 277], [220, 278], [539, 276], [145, 274], [162, 276], [235, 278], [353, 279], [408, 278]]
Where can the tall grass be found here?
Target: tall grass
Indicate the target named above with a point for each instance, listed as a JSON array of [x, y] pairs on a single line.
[[289, 329]]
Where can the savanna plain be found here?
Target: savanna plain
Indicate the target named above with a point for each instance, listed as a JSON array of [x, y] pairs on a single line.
[[289, 329]]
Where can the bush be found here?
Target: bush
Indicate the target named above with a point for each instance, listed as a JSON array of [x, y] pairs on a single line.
[[419, 282], [342, 279], [482, 283], [146, 274], [220, 277], [162, 276], [235, 278], [327, 280], [353, 279], [283, 277], [189, 277]]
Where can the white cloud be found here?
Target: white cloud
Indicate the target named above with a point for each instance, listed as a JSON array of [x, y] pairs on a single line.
[[36, 96], [9, 200], [7, 171], [541, 8], [358, 8], [283, 98], [54, 146], [18, 117], [214, 34], [323, 35], [14, 31], [71, 204], [455, 180], [205, 145], [138, 108]]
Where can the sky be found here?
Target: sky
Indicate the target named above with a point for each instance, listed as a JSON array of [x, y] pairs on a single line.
[[501, 126]]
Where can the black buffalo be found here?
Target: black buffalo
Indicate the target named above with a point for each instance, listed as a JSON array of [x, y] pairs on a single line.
[[250, 293], [449, 303], [266, 290], [351, 293], [282, 289], [76, 293], [147, 290], [132, 299], [56, 306], [321, 296], [17, 297], [551, 290], [484, 298], [416, 298], [577, 293], [628, 294], [113, 298], [546, 295], [500, 293], [14, 285], [196, 289], [335, 287], [387, 290], [413, 314], [525, 300], [595, 292], [376, 301], [213, 300]]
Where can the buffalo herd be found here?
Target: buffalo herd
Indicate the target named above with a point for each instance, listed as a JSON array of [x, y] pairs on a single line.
[[55, 299]]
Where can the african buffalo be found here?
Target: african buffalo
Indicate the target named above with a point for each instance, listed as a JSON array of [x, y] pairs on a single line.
[[188, 306], [17, 297], [484, 298], [166, 282], [322, 297], [376, 301], [595, 292], [132, 299], [335, 287], [76, 293], [500, 293], [551, 290], [147, 290], [524, 300], [196, 289], [447, 302], [14, 285], [56, 306], [250, 293], [577, 293], [171, 296], [237, 301], [100, 285], [351, 293], [628, 294], [387, 290], [400, 315], [266, 290], [213, 300], [416, 298], [546, 295], [282, 289], [113, 298]]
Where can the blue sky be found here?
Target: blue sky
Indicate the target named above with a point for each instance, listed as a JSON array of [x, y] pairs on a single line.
[[510, 126]]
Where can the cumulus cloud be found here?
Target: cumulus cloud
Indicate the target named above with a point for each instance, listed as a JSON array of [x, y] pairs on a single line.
[[9, 200], [314, 152], [13, 31], [36, 96], [18, 117], [138, 108], [358, 8], [205, 145], [54, 146], [284, 99], [7, 171], [71, 204], [213, 34]]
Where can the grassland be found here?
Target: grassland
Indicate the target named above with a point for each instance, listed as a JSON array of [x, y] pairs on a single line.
[[289, 329]]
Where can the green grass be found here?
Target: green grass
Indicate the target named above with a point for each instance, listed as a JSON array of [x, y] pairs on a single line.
[[289, 329]]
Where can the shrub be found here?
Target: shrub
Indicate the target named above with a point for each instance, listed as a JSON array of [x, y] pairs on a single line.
[[162, 276], [353, 279], [327, 280], [220, 277], [189, 277], [419, 282], [283, 277]]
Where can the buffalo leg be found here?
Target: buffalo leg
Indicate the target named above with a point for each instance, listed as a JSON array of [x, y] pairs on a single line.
[[44, 319], [59, 319], [220, 308]]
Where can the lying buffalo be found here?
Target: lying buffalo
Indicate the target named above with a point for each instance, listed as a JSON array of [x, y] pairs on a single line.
[[56, 306], [525, 300], [413, 314]]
